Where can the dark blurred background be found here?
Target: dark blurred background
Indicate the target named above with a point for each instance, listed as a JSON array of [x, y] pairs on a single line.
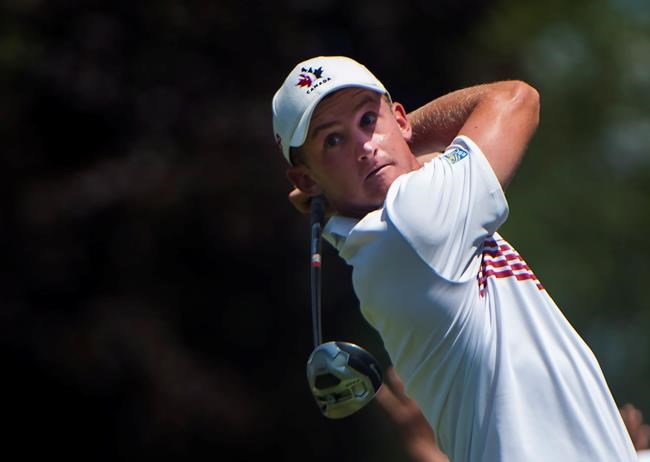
[[155, 291]]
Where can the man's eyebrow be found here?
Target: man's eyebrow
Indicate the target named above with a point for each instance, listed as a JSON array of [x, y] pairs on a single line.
[[324, 126], [365, 100]]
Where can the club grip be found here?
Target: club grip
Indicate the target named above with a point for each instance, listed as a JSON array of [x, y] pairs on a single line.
[[317, 209]]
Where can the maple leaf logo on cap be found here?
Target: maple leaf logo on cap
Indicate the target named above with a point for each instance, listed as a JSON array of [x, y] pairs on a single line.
[[305, 76], [304, 81]]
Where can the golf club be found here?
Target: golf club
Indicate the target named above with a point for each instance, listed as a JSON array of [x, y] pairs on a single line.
[[342, 376]]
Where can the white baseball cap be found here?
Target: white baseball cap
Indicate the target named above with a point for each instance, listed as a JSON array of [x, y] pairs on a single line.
[[305, 86]]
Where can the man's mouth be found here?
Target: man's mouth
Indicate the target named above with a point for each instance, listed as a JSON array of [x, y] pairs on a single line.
[[376, 170]]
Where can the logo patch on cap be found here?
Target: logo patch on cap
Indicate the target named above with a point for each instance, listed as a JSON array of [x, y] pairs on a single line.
[[311, 78]]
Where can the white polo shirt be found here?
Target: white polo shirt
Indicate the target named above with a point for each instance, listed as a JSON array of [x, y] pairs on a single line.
[[496, 368]]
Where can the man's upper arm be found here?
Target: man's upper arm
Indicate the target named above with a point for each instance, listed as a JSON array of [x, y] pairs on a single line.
[[446, 209], [502, 125]]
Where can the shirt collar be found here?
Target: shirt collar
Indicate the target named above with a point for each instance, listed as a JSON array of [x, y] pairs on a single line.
[[337, 229]]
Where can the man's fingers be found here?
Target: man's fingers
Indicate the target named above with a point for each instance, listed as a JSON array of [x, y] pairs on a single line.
[[632, 417], [299, 200]]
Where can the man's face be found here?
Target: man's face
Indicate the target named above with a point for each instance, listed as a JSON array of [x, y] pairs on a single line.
[[355, 148]]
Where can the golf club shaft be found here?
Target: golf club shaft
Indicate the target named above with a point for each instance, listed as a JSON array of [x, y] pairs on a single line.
[[317, 213]]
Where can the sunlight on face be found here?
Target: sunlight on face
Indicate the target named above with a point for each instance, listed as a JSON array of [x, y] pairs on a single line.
[[355, 148]]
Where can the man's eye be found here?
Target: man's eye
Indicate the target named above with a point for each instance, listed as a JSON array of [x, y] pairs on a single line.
[[369, 118], [333, 139]]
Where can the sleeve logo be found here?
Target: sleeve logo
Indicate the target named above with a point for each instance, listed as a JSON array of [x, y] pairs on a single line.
[[455, 155]]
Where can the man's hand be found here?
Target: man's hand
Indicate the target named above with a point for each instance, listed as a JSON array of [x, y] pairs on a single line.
[[639, 431], [299, 200]]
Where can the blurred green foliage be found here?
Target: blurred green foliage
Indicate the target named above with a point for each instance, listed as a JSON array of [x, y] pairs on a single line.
[[580, 202]]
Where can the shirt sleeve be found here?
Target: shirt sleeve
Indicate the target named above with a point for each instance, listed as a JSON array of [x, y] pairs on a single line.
[[446, 209]]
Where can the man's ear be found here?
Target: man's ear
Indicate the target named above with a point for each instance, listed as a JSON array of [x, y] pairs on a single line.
[[400, 116], [302, 179]]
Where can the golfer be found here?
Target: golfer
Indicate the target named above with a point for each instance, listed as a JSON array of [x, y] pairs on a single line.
[[415, 203]]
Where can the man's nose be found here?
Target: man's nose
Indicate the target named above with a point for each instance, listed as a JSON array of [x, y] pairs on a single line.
[[366, 145]]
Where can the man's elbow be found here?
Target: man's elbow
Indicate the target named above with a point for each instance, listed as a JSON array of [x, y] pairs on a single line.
[[515, 122], [523, 98]]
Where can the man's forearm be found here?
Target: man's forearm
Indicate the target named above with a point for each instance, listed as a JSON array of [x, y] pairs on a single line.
[[437, 123], [499, 117]]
